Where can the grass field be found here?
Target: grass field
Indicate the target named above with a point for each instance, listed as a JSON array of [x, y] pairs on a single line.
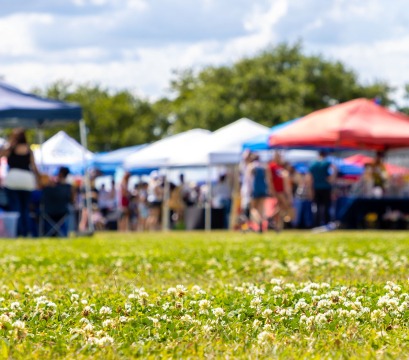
[[216, 295]]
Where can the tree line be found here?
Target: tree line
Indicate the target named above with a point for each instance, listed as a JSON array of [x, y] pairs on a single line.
[[278, 84]]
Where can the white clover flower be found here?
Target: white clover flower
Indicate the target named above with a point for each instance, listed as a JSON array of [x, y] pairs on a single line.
[[301, 305], [105, 310], [4, 318], [265, 337], [365, 310], [92, 340], [131, 296], [256, 323], [100, 333], [180, 290], [50, 304], [266, 313], [84, 302], [84, 321], [377, 315], [207, 329], [320, 319], [40, 299], [186, 318], [324, 304], [276, 281], [74, 297], [18, 324], [382, 334], [289, 286], [255, 302], [218, 312], [11, 314], [204, 304], [123, 319], [155, 322], [15, 305], [108, 323], [196, 289], [105, 341], [172, 291], [13, 293], [277, 289], [88, 327]]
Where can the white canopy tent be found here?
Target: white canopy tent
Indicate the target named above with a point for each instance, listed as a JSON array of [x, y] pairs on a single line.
[[161, 154], [223, 147], [61, 150]]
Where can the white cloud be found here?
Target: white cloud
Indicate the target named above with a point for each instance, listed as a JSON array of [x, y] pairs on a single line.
[[137, 43], [17, 38]]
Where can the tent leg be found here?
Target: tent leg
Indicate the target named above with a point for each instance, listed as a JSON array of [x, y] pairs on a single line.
[[165, 204], [208, 202], [87, 182]]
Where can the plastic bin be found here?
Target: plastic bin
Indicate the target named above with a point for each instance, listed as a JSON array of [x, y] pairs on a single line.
[[8, 224]]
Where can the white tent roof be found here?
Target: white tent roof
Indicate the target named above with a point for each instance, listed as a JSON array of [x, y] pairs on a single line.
[[161, 153], [224, 146], [61, 150]]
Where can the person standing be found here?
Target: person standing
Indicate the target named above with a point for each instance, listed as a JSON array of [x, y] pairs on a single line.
[[322, 174], [124, 220], [21, 178], [280, 188], [259, 191], [222, 198]]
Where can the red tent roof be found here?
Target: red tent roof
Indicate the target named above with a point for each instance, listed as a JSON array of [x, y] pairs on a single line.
[[358, 124], [360, 159]]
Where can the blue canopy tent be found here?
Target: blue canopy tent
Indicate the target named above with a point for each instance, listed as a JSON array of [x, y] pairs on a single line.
[[20, 109], [107, 163], [261, 142]]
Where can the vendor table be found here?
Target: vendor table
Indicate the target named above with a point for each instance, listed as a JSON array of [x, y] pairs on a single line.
[[351, 212]]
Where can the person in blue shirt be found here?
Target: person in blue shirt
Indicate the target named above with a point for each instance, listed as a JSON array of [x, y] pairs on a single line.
[[322, 174]]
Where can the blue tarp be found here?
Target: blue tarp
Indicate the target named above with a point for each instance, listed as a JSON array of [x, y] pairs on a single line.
[[18, 108], [108, 162], [261, 142]]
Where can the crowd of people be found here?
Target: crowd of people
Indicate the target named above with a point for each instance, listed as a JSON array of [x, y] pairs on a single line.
[[269, 193]]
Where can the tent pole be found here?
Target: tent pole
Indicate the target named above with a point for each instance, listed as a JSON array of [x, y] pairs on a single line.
[[87, 182], [165, 204], [208, 201], [40, 136]]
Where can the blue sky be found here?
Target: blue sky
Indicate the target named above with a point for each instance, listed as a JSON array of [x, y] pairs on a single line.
[[136, 44]]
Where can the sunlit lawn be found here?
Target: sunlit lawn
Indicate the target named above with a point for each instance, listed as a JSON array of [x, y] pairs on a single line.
[[206, 295]]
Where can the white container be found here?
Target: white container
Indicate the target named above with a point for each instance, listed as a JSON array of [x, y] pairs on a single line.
[[8, 224]]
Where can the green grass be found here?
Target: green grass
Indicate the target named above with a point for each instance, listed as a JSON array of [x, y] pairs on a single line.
[[206, 295]]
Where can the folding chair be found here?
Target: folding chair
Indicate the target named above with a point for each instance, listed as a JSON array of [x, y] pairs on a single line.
[[55, 210]]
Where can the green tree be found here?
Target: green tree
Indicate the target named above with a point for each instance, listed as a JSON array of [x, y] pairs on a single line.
[[114, 119], [279, 84]]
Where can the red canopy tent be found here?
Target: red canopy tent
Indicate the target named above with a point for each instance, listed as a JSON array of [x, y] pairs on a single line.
[[361, 160], [358, 124]]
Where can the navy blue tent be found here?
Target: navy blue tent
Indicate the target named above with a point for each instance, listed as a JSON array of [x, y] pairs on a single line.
[[18, 108]]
